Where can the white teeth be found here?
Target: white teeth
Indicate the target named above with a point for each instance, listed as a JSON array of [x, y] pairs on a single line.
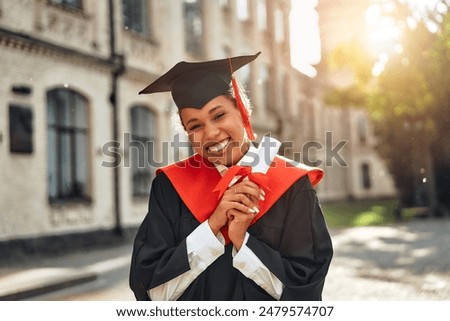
[[218, 147]]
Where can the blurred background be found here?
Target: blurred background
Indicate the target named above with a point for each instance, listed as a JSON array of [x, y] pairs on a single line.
[[358, 88]]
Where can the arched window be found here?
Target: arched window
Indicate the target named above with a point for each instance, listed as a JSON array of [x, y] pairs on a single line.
[[68, 166], [142, 149], [193, 26]]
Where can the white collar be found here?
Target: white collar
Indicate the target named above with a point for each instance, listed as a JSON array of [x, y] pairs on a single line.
[[247, 160], [257, 158]]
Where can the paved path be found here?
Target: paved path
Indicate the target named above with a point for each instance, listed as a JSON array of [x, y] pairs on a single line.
[[400, 262], [408, 261]]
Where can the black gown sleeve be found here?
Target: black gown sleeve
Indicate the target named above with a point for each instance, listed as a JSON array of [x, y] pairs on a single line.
[[301, 254], [157, 254]]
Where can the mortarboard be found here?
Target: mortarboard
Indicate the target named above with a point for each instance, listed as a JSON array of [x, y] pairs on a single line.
[[194, 84]]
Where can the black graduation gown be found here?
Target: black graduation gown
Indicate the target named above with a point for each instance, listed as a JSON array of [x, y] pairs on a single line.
[[291, 239]]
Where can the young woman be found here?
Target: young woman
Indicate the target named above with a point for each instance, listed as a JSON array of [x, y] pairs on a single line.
[[216, 229]]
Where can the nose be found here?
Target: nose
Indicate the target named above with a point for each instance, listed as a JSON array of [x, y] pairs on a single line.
[[211, 131]]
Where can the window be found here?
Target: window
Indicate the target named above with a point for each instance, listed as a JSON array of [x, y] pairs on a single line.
[[279, 25], [285, 90], [365, 175], [224, 4], [68, 168], [309, 119], [193, 26], [143, 137], [263, 81], [261, 13], [20, 129], [243, 10], [362, 130], [135, 15], [74, 4]]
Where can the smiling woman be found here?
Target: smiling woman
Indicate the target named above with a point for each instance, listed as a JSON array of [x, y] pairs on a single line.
[[216, 131], [219, 228]]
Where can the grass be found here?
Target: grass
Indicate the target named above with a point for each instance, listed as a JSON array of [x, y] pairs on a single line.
[[361, 212]]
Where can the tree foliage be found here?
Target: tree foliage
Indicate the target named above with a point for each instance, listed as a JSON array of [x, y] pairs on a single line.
[[408, 102]]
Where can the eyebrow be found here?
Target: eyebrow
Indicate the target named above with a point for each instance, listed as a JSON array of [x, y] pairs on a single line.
[[212, 110]]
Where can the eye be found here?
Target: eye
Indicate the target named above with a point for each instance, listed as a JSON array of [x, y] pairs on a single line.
[[194, 127], [219, 115]]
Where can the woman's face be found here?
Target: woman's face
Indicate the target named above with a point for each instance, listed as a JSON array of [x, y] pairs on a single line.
[[216, 131]]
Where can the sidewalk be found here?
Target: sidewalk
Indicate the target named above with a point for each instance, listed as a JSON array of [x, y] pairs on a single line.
[[29, 278], [408, 261]]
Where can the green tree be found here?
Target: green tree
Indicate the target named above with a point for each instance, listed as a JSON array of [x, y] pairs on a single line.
[[408, 103]]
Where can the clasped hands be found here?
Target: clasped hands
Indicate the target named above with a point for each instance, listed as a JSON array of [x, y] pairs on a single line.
[[237, 208]]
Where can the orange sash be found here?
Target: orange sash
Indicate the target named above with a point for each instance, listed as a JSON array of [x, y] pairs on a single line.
[[196, 180]]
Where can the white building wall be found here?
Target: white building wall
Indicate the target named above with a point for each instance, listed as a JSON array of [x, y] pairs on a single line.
[[24, 197], [65, 48], [382, 184]]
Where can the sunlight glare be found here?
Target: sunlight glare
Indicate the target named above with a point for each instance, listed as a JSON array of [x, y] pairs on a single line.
[[441, 7], [412, 23], [432, 26], [383, 57], [373, 14], [383, 31], [377, 69], [388, 7], [398, 49]]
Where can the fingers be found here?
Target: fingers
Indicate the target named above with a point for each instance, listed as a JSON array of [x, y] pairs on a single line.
[[217, 220], [238, 224], [244, 203], [246, 193], [249, 188], [230, 201], [243, 197], [244, 219]]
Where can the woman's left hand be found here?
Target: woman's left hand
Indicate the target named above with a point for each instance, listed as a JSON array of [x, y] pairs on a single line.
[[238, 223]]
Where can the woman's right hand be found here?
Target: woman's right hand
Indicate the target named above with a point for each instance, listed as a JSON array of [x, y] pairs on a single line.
[[243, 197]]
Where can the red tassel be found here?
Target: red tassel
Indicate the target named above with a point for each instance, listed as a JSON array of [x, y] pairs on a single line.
[[240, 105]]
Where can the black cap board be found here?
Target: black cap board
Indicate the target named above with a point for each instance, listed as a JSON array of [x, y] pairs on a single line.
[[194, 84]]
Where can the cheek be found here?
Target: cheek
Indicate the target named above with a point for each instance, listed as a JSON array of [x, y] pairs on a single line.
[[195, 140], [237, 127]]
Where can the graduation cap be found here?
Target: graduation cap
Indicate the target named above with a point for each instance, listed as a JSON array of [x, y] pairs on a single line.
[[194, 84]]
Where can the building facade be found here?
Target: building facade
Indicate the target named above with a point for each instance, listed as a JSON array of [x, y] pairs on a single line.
[[365, 174], [78, 145]]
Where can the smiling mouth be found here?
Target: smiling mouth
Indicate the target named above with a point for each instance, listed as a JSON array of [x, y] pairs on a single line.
[[219, 146]]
